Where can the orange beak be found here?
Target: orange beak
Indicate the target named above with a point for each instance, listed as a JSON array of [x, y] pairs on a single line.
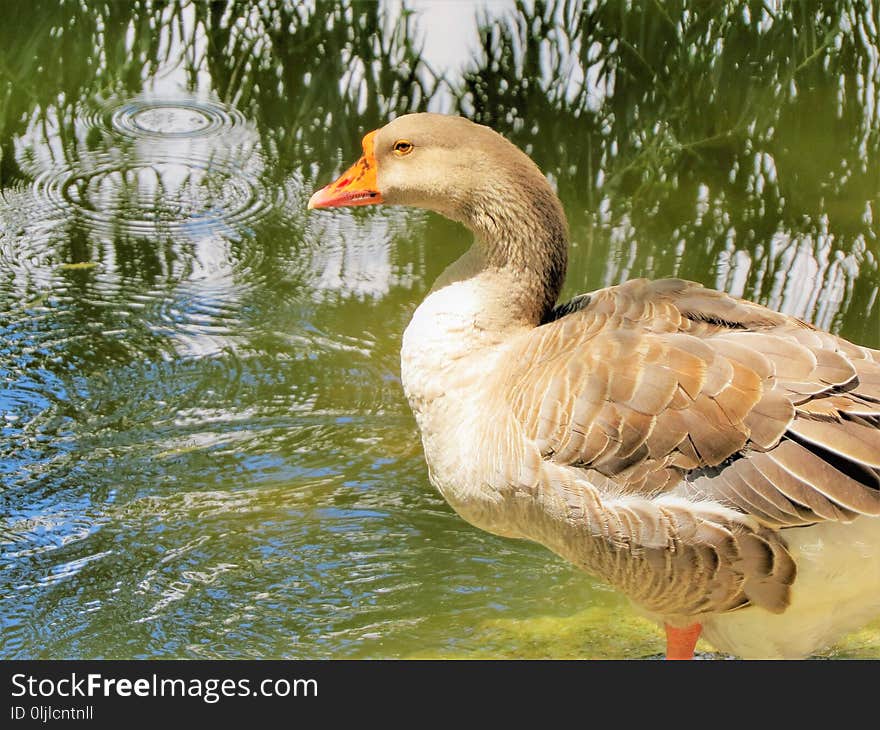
[[356, 186]]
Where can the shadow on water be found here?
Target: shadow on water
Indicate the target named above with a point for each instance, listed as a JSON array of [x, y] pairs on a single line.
[[205, 451]]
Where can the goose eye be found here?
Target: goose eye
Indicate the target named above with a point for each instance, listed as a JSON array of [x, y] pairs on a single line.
[[402, 147]]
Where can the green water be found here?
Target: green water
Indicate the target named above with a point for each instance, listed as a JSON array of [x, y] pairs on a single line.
[[205, 448]]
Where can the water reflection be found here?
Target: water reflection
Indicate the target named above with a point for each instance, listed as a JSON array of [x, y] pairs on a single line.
[[725, 136], [205, 449]]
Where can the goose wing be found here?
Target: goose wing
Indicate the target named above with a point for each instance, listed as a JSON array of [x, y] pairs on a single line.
[[659, 391], [650, 383]]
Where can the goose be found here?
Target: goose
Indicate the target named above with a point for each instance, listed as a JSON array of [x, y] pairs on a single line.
[[715, 461]]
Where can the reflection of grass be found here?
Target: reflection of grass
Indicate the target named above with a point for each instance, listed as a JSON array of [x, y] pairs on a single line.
[[603, 632], [296, 69], [636, 112]]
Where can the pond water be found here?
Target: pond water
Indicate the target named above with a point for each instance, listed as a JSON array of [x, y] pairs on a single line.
[[205, 448]]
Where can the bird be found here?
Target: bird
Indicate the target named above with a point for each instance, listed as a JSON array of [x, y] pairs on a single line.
[[715, 461]]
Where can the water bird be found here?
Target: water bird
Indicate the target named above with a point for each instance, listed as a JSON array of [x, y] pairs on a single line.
[[714, 460]]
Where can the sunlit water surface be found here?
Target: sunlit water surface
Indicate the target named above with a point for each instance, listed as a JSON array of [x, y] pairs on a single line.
[[205, 448]]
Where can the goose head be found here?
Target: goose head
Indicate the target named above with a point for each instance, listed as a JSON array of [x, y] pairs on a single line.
[[471, 174], [443, 163]]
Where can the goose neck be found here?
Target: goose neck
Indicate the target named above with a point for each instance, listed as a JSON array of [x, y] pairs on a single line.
[[522, 244]]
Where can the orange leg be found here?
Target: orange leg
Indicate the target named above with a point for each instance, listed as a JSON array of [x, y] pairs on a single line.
[[680, 643]]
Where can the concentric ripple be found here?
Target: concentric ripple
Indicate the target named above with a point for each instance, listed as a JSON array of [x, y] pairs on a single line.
[[174, 118], [158, 194], [194, 169]]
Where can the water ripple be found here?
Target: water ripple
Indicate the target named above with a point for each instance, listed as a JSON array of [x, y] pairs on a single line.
[[173, 118], [162, 194]]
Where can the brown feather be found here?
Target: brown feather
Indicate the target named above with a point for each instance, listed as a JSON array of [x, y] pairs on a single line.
[[793, 488], [850, 440], [648, 381], [851, 495], [769, 419]]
